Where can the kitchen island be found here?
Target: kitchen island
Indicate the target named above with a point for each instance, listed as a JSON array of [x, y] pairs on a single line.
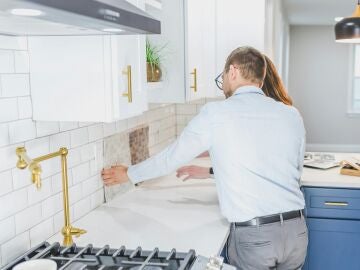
[[169, 213]]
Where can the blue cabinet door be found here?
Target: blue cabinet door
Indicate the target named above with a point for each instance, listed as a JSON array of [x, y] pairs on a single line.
[[333, 244]]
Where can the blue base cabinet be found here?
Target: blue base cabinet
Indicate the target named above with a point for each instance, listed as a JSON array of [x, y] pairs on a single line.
[[333, 219], [333, 244]]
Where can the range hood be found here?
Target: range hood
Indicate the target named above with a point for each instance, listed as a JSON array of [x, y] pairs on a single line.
[[74, 17]]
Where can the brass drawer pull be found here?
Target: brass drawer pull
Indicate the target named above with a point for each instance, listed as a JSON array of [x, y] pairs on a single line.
[[336, 203], [195, 80], [128, 94]]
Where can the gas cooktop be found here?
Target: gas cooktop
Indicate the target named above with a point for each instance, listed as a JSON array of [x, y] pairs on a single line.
[[89, 258]]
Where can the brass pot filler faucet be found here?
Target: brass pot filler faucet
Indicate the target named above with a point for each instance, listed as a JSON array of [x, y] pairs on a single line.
[[34, 166]]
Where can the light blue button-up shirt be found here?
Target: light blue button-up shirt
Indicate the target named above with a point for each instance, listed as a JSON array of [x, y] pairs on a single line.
[[256, 146]]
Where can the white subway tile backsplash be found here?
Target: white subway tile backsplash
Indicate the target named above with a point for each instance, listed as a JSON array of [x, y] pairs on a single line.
[[198, 101], [59, 140], [27, 218], [15, 247], [79, 137], [22, 130], [75, 193], [98, 163], [81, 208], [52, 205], [14, 201], [133, 122], [121, 125], [186, 109], [41, 231], [80, 172], [8, 157], [96, 132], [21, 178], [25, 107], [74, 157], [6, 182], [7, 229], [13, 43], [8, 109], [85, 124], [4, 134], [97, 198], [154, 127], [51, 167], [91, 185], [36, 195], [21, 61], [15, 85], [37, 147], [44, 128], [109, 129], [65, 126], [7, 61], [87, 152]]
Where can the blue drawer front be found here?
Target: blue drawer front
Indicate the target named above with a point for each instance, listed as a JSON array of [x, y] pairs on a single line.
[[332, 203], [333, 244]]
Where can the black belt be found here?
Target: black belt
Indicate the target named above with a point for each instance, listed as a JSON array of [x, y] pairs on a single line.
[[271, 218]]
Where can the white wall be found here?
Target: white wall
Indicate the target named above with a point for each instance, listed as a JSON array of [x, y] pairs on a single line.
[[318, 82], [277, 37]]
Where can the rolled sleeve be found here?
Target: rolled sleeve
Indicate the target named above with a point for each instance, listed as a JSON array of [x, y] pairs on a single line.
[[195, 139]]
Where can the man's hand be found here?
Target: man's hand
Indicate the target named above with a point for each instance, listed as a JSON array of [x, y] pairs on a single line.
[[205, 154], [115, 175], [193, 172]]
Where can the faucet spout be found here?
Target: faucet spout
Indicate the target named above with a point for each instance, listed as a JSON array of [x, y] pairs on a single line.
[[36, 171]]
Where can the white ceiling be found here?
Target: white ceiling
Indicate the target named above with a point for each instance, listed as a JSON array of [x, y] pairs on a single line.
[[317, 12]]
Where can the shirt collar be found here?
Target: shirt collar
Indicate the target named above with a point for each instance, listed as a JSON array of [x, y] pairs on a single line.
[[249, 89]]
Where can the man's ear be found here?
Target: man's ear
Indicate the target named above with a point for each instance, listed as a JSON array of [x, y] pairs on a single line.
[[232, 72]]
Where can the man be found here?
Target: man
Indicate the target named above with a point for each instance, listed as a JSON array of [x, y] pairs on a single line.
[[256, 146]]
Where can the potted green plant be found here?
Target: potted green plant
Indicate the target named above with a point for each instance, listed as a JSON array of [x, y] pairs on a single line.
[[153, 62]]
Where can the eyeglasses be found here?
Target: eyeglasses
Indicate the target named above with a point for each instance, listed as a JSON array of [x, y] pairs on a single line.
[[219, 81], [219, 78]]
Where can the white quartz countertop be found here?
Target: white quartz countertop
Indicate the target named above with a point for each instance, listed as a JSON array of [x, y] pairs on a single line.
[[169, 213], [165, 213], [331, 177]]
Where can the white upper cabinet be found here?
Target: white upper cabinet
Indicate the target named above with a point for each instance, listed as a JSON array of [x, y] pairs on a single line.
[[200, 48], [87, 78], [188, 30], [211, 29]]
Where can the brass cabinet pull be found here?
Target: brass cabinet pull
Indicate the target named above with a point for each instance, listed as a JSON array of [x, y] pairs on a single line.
[[336, 203], [195, 80], [128, 94]]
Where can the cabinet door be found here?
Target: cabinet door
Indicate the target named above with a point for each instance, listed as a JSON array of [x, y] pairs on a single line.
[[128, 72], [200, 49], [67, 78], [238, 23], [333, 244]]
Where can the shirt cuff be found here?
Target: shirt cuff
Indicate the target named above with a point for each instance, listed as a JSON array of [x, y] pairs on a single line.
[[133, 176]]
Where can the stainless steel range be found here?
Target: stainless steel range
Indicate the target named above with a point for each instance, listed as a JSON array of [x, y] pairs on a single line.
[[82, 258]]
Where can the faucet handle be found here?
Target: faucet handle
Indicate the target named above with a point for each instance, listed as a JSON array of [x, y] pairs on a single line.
[[21, 163], [77, 232]]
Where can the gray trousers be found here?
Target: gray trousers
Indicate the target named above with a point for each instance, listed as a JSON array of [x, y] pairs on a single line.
[[280, 245]]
